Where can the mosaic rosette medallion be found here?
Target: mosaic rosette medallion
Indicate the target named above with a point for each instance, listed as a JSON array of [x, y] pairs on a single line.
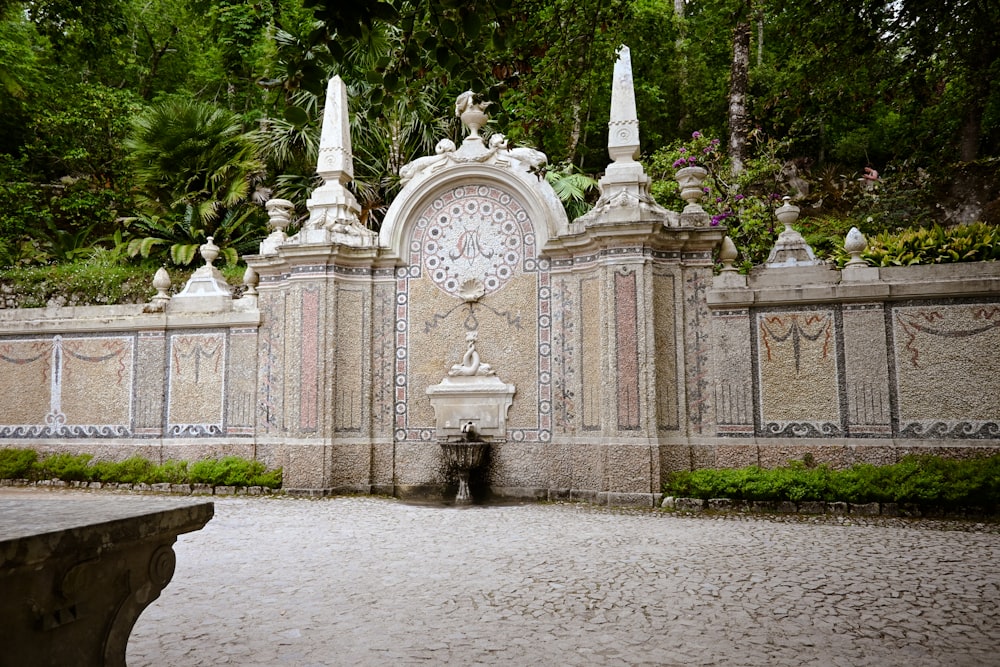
[[472, 233]]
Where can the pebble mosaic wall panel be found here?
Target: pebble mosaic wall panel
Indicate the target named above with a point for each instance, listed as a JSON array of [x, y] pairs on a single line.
[[67, 387], [798, 373], [665, 327], [241, 382], [626, 349], [310, 343], [866, 370], [196, 391], [474, 237], [940, 385], [590, 354], [348, 403], [698, 363], [566, 344], [733, 387]]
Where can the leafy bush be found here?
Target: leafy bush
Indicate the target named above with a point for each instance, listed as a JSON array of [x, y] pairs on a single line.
[[67, 467], [134, 470], [744, 203], [17, 463], [915, 479], [229, 471], [974, 242], [172, 472]]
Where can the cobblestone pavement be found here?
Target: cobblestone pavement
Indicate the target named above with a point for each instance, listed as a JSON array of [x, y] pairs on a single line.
[[369, 581]]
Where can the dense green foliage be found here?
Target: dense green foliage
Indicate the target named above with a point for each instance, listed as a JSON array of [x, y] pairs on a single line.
[[144, 127], [976, 242], [227, 471], [915, 479]]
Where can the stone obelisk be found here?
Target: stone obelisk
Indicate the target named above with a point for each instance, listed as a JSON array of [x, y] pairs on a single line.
[[333, 210], [625, 186]]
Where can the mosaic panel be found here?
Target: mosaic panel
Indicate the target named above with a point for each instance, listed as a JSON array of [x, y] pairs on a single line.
[[626, 349], [698, 363], [590, 354], [196, 393], [67, 387], [26, 379], [798, 373], [271, 362], [565, 357], [940, 376], [665, 326], [732, 370], [866, 370], [309, 359], [350, 355]]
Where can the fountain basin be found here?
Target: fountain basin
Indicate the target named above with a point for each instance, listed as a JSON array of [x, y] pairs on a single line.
[[464, 457]]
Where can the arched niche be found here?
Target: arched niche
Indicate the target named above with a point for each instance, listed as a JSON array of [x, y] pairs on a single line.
[[451, 226]]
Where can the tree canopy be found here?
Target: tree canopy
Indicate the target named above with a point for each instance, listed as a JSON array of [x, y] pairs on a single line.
[[855, 83]]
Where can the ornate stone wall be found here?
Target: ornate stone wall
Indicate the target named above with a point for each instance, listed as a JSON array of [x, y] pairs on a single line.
[[115, 382], [856, 367]]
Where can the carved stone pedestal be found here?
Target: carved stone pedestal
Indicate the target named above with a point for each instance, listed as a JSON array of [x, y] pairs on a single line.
[[76, 572]]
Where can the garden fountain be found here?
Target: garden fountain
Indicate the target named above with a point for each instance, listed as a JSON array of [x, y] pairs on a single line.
[[470, 407]]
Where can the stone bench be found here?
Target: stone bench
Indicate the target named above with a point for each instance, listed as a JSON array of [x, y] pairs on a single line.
[[76, 571]]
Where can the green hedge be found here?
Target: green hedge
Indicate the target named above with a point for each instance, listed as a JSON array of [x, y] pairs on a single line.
[[915, 479], [227, 471]]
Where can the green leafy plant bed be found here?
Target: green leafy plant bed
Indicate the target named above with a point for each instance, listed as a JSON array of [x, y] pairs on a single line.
[[974, 242], [924, 480], [227, 471]]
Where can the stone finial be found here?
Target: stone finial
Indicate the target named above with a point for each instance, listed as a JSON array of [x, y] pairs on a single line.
[[250, 280], [161, 281], [206, 291], [336, 162], [472, 113], [728, 254], [248, 301], [209, 251], [791, 248], [855, 244], [692, 190], [279, 216]]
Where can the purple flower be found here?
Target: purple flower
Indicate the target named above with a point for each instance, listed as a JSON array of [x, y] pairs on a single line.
[[718, 200], [692, 159], [715, 142], [695, 135], [682, 149], [680, 163], [715, 221], [706, 190], [708, 149], [738, 197]]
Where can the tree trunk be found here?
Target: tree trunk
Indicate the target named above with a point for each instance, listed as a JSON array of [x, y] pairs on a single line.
[[971, 128], [679, 8], [739, 83], [760, 39]]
